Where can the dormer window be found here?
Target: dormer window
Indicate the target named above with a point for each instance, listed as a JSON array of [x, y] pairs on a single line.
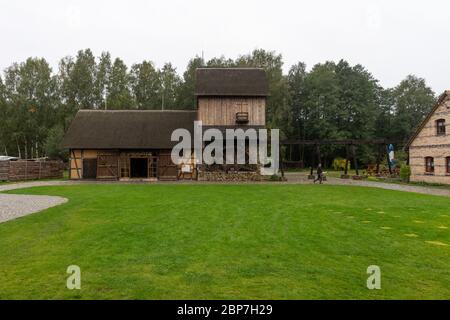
[[440, 127], [242, 117]]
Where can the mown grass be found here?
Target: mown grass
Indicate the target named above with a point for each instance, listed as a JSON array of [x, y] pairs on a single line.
[[228, 242]]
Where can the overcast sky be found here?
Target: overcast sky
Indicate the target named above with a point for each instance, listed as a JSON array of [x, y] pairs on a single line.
[[390, 38]]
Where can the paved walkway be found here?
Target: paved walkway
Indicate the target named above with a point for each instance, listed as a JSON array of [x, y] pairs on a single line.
[[302, 178]]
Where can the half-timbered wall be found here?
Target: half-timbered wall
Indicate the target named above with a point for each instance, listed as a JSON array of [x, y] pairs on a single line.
[[76, 162], [116, 164]]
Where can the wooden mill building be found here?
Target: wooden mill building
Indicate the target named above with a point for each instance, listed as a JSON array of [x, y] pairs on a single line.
[[136, 144], [429, 147]]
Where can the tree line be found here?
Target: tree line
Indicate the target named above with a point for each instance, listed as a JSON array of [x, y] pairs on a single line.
[[333, 100]]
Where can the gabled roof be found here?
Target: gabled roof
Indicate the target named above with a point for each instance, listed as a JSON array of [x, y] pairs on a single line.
[[231, 82], [419, 128], [126, 129]]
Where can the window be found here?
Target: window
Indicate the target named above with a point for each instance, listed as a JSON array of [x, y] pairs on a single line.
[[440, 126], [242, 117], [429, 164], [447, 164]]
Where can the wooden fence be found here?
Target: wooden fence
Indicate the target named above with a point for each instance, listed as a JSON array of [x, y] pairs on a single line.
[[30, 170]]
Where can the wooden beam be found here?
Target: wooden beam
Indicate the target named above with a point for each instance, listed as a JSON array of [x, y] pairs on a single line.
[[354, 159], [281, 162], [388, 162], [319, 158], [338, 142], [346, 160], [379, 158], [76, 165]]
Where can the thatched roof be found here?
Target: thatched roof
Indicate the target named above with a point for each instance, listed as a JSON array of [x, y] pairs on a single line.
[[126, 129], [231, 82]]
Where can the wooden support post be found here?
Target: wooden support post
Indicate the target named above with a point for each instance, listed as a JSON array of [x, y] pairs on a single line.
[[387, 157], [345, 175], [76, 164], [346, 160], [311, 174], [379, 159], [281, 163], [319, 158], [354, 159]]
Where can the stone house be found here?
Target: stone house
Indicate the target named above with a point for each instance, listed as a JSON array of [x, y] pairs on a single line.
[[429, 147]]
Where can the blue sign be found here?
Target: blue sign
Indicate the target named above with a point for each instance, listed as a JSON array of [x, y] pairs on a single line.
[[391, 155]]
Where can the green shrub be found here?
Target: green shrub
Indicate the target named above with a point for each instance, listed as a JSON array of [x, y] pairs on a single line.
[[339, 164], [405, 172], [275, 177]]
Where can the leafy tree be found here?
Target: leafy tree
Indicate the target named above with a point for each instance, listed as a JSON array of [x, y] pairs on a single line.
[[31, 92], [278, 113], [145, 83], [385, 115], [331, 101], [296, 84], [186, 96], [221, 62], [4, 117], [82, 80], [119, 94], [413, 100], [102, 80], [170, 83], [53, 144]]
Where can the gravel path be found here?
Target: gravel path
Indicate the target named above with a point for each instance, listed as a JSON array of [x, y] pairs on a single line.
[[13, 206], [302, 178]]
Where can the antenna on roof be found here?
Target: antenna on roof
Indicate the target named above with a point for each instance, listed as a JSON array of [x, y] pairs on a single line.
[[203, 59]]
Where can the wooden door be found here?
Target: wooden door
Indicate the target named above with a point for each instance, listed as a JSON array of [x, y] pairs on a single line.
[[89, 168], [107, 166], [167, 170]]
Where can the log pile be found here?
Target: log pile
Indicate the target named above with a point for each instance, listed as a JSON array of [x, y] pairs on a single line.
[[32, 170], [237, 176], [4, 170]]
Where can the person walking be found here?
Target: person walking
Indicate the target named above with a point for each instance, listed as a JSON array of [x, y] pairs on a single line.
[[319, 174]]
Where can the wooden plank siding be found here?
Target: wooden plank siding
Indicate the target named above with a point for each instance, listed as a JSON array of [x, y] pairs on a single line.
[[222, 111]]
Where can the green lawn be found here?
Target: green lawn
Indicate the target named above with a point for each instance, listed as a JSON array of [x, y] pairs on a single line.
[[228, 242]]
